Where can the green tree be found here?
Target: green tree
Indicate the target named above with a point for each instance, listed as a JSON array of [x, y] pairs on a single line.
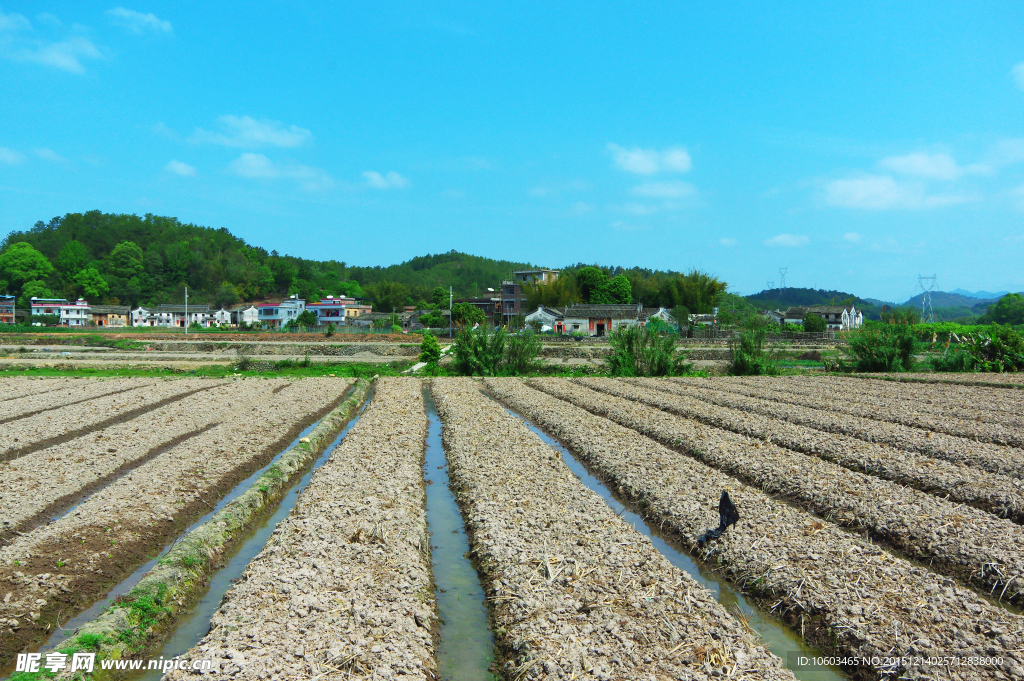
[[698, 291], [33, 289], [20, 264], [1007, 310], [91, 284], [479, 353], [388, 296], [73, 258], [614, 291], [682, 316], [590, 281], [126, 260], [430, 352], [439, 297], [814, 323], [467, 314], [306, 318]]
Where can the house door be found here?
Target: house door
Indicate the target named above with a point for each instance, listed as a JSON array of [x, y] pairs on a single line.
[[600, 328]]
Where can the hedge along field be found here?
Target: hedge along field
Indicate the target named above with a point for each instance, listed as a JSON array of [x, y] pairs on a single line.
[[843, 593], [55, 570], [574, 591], [999, 494], [984, 455], [973, 545]]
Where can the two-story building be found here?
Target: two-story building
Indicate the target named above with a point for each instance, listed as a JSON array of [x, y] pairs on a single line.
[[172, 316], [76, 313], [7, 304], [513, 300], [838, 317], [277, 315], [330, 310]]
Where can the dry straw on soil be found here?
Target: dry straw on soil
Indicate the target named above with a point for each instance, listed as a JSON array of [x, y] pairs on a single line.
[[574, 591], [343, 588], [843, 592], [54, 570]]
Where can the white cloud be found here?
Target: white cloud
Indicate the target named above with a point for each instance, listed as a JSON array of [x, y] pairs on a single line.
[[164, 131], [581, 208], [246, 132], [620, 226], [879, 192], [932, 166], [788, 240], [639, 209], [453, 194], [50, 155], [137, 22], [1017, 193], [852, 237], [179, 168], [14, 22], [650, 161], [664, 190], [258, 166], [10, 156], [728, 242], [390, 181], [539, 192], [1018, 75]]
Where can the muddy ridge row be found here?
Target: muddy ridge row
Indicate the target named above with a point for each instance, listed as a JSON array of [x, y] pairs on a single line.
[[985, 380], [966, 401], [36, 485], [998, 494], [573, 590], [344, 586], [984, 455], [900, 406], [57, 569], [49, 401], [32, 433], [845, 595], [972, 545], [23, 386]]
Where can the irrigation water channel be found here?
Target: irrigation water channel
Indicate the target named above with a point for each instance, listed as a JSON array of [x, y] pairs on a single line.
[[467, 644], [774, 633], [191, 626]]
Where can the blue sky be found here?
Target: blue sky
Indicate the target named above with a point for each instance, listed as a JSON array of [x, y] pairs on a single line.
[[858, 145]]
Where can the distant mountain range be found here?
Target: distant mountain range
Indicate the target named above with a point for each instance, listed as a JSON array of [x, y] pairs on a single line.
[[980, 295]]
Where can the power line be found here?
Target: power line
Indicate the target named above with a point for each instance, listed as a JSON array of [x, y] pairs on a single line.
[[927, 315]]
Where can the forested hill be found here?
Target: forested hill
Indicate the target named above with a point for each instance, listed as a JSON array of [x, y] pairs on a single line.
[[130, 260]]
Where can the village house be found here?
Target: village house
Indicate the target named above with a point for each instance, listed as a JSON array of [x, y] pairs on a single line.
[[70, 313], [549, 319], [601, 320], [277, 315], [245, 313], [7, 304], [174, 315], [330, 310], [512, 298], [110, 315], [837, 317]]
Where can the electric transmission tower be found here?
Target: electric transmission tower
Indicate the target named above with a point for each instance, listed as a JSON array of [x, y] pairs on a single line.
[[927, 315], [769, 286], [782, 276]]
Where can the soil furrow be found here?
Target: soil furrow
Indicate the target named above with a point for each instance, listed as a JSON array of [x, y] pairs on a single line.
[[74, 421], [973, 545], [846, 595], [37, 485], [17, 388], [898, 407], [76, 393], [344, 586], [573, 589], [1001, 381], [55, 570], [984, 455], [965, 401], [998, 494]]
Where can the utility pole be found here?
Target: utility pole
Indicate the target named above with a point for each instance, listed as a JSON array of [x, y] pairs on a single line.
[[450, 320], [186, 310]]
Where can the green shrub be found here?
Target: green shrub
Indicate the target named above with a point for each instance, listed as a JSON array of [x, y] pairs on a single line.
[[999, 350], [330, 330], [521, 352], [749, 357], [396, 328], [430, 351], [642, 351], [478, 353], [814, 323], [885, 347]]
